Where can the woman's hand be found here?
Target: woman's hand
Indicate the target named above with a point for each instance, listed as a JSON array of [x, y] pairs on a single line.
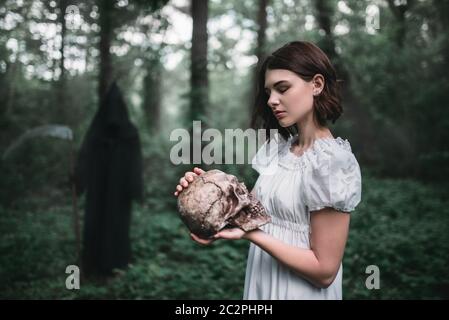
[[202, 241], [228, 234], [189, 176]]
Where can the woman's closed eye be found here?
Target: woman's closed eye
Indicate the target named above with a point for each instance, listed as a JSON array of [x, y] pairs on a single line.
[[280, 90]]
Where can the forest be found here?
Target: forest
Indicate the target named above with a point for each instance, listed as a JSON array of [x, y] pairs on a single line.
[[174, 62]]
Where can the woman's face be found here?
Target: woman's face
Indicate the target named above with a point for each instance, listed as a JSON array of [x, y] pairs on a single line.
[[290, 97]]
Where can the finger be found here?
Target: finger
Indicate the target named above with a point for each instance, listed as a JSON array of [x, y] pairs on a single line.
[[198, 171], [178, 188], [195, 237], [176, 193], [189, 176], [200, 240], [183, 182]]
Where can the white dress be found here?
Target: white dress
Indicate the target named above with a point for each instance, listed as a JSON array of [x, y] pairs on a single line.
[[327, 174]]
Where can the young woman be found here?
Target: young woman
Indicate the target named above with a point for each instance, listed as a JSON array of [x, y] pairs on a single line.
[[315, 184]]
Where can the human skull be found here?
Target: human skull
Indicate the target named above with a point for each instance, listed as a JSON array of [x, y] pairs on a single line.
[[215, 200]]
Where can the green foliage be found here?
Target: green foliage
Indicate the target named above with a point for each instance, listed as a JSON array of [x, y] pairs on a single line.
[[401, 226], [37, 246], [395, 120], [400, 107]]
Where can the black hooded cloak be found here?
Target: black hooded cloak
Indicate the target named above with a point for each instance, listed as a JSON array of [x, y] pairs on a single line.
[[109, 170]]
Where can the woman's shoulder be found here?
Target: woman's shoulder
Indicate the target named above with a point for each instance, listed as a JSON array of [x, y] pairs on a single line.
[[338, 148], [334, 160], [335, 177], [335, 152]]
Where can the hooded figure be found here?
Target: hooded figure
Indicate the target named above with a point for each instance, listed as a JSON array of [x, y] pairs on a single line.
[[109, 169]]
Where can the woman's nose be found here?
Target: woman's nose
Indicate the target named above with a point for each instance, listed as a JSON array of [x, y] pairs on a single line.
[[273, 101]]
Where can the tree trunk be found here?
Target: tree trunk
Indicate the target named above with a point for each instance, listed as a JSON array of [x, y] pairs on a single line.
[[62, 8], [260, 50], [152, 93], [199, 90], [61, 86], [199, 74], [399, 12], [325, 10], [106, 30], [261, 32]]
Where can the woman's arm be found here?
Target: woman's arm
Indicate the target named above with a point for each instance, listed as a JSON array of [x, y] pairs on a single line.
[[321, 262]]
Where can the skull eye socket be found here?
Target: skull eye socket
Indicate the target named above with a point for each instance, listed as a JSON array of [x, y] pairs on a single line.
[[232, 202]]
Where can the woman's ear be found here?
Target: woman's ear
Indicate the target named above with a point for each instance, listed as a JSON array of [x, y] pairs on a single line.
[[318, 84]]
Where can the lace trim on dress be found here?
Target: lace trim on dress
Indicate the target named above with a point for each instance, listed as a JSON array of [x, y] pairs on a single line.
[[289, 160]]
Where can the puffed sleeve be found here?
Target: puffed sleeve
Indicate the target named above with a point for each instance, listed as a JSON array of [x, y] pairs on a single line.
[[335, 181], [265, 159]]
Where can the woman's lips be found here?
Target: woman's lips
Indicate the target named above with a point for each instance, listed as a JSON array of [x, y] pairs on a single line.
[[280, 114]]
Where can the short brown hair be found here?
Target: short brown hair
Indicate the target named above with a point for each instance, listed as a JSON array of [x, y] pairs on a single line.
[[306, 60]]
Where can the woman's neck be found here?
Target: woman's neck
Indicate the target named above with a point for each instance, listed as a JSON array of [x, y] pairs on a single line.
[[309, 131]]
